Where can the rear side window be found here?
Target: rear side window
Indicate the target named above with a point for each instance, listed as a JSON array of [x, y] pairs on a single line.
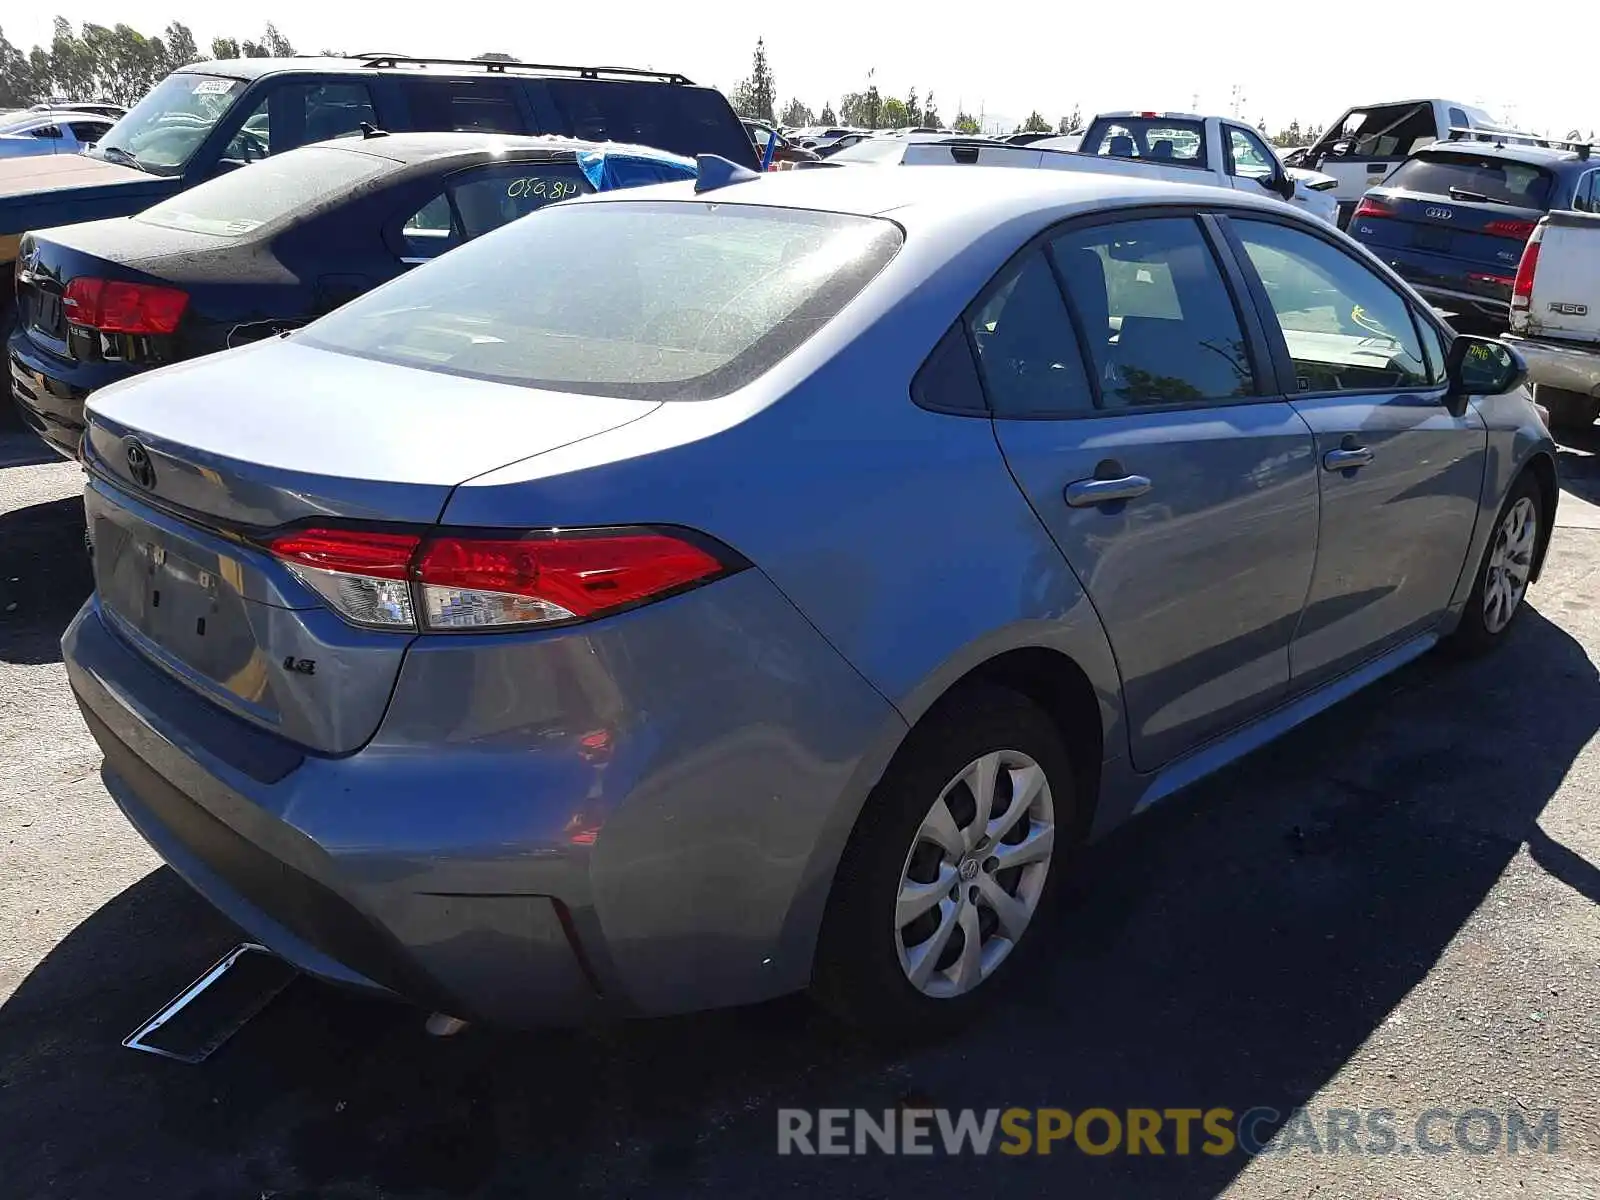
[[672, 117], [948, 381], [479, 105], [1159, 319], [652, 300], [240, 202], [1466, 176]]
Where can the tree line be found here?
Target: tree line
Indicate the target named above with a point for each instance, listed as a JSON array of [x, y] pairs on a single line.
[[116, 63], [756, 95]]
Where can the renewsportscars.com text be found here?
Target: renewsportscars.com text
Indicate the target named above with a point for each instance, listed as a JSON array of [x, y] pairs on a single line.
[[1165, 1131]]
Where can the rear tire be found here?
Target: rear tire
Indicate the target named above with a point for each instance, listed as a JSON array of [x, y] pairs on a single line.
[[937, 908], [1570, 411], [1505, 570]]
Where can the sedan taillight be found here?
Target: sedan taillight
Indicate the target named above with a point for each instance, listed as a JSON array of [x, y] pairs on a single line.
[[115, 306], [459, 581]]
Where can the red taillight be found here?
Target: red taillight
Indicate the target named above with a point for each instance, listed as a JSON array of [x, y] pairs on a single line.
[[1479, 277], [459, 581], [1522, 285], [114, 306], [1371, 208], [469, 582], [1521, 230]]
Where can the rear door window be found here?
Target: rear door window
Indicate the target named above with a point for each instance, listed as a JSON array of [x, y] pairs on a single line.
[[1466, 176], [1156, 310], [647, 299], [459, 105], [682, 120], [476, 201]]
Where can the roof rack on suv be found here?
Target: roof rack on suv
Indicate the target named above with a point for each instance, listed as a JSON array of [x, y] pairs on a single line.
[[1500, 138], [499, 66]]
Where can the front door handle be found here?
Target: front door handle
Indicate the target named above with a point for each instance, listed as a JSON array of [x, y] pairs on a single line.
[[1346, 458], [1088, 492]]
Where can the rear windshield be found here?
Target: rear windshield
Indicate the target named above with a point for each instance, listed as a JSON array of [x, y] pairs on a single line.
[[679, 119], [1472, 177], [245, 199], [653, 300], [1159, 138]]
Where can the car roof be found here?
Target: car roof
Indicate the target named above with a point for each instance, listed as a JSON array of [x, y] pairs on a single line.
[[255, 68], [416, 148], [935, 195], [29, 119], [1539, 156]]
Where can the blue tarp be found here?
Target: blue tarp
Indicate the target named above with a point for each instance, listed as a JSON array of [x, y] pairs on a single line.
[[618, 165]]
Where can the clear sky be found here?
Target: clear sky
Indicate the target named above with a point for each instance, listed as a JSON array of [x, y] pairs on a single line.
[[1303, 61]]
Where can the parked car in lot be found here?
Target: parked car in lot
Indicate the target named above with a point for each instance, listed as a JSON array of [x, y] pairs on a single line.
[[784, 149], [1555, 310], [53, 131], [215, 117], [1178, 147], [249, 255], [684, 596], [101, 108], [1370, 140], [1454, 217]]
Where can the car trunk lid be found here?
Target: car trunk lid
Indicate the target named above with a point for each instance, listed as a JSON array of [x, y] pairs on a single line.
[[193, 465]]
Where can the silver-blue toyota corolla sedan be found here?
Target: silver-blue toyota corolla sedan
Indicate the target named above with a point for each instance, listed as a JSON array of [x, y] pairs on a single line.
[[676, 599]]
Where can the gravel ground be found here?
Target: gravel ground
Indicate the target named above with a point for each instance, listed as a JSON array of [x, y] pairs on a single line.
[[1397, 907]]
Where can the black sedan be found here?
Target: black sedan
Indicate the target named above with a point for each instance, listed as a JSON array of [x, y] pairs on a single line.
[[271, 246]]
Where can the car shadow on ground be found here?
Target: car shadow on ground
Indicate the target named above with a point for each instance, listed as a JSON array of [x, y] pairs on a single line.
[[1578, 460], [1234, 949], [45, 576]]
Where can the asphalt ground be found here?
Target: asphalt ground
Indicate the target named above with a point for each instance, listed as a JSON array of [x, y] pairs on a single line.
[[1395, 909]]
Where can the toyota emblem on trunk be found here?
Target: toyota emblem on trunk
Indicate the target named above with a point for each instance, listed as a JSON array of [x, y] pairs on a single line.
[[140, 467]]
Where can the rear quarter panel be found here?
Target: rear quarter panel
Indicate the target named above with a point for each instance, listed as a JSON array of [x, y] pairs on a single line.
[[898, 533]]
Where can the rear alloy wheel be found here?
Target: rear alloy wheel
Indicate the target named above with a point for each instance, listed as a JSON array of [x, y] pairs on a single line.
[[974, 874], [949, 878], [1569, 411], [1506, 570]]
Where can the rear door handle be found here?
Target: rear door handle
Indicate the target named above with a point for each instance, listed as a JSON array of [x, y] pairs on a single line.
[[1088, 492], [1346, 458]]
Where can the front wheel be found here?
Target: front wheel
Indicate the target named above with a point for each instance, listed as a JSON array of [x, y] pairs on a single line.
[[1506, 569], [950, 876]]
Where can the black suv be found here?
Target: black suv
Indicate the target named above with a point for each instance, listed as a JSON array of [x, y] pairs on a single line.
[[214, 117]]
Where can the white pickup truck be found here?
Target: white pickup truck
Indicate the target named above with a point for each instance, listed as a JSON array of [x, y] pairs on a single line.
[[1555, 315], [1182, 147]]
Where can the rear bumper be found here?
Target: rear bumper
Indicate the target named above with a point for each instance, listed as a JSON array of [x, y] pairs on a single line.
[[1571, 368], [479, 856], [50, 394]]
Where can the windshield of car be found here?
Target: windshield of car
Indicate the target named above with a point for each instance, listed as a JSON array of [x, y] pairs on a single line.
[[652, 300], [1168, 140], [1467, 176], [162, 132], [240, 202]]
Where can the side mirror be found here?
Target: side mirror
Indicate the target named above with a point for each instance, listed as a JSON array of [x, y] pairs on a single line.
[[1481, 366]]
